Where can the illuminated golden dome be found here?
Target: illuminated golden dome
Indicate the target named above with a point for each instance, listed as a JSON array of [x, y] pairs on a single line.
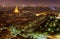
[[16, 10]]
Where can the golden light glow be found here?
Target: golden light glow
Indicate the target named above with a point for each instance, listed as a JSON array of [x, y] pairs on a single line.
[[57, 36], [16, 10], [41, 14], [58, 17], [52, 37], [37, 14]]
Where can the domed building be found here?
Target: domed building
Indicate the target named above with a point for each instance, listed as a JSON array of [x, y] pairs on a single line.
[[16, 10]]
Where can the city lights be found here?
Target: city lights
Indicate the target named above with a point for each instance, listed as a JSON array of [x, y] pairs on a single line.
[[29, 19]]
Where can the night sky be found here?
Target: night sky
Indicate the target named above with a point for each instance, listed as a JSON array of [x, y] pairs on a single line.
[[30, 2]]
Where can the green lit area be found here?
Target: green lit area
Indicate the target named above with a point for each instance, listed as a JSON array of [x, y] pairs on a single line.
[[49, 27]]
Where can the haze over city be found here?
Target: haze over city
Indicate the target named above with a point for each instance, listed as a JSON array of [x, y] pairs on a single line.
[[30, 2]]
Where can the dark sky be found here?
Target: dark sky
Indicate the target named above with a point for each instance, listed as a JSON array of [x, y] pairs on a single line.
[[30, 2]]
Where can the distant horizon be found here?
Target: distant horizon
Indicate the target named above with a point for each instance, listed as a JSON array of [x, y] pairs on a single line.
[[27, 6], [47, 3]]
